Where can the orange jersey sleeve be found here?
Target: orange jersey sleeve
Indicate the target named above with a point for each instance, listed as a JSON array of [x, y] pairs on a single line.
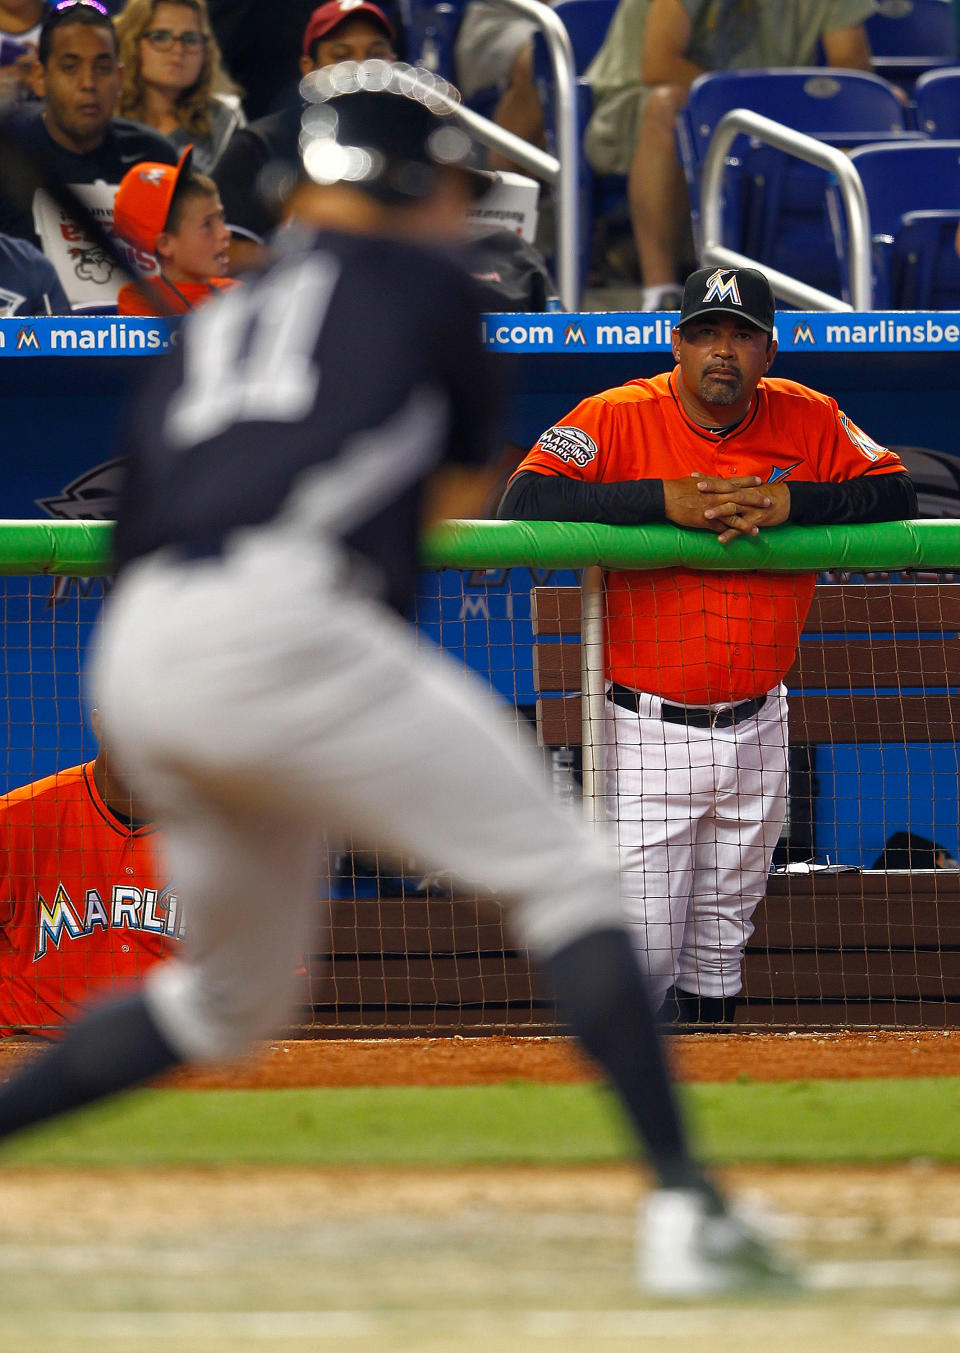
[[576, 446], [832, 445], [614, 436]]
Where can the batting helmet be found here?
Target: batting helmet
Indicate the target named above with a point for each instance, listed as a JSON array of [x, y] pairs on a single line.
[[384, 127]]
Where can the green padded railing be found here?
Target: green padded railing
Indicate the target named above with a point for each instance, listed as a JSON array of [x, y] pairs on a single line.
[[890, 545], [82, 548], [71, 549]]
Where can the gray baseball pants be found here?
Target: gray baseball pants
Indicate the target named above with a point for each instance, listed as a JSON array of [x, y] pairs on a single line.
[[257, 701]]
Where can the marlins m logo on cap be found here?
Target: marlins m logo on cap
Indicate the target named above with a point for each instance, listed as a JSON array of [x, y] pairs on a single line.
[[719, 290], [743, 292]]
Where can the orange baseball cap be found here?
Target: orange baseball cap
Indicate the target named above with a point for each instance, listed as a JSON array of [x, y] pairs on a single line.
[[142, 202]]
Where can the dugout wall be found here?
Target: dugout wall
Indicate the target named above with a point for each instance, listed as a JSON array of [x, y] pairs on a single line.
[[65, 382], [411, 952]]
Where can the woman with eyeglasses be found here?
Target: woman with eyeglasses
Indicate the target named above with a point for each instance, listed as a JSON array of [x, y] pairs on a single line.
[[171, 70]]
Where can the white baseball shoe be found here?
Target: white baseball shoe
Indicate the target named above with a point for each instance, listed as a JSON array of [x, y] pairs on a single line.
[[691, 1244]]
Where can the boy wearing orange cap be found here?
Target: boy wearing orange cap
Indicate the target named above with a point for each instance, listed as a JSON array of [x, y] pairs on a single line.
[[175, 215]]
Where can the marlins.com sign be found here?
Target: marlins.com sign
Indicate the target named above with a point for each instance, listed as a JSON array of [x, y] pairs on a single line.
[[584, 333], [555, 331], [84, 336], [798, 331]]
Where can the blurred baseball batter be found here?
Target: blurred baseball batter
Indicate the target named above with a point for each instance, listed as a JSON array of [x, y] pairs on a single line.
[[696, 738], [261, 685]]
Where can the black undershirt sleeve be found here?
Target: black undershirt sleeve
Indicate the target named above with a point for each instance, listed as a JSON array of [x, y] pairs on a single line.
[[868, 498], [540, 497], [537, 497]]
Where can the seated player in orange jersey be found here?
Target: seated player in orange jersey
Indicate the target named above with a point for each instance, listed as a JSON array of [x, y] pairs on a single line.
[[174, 215], [84, 909]]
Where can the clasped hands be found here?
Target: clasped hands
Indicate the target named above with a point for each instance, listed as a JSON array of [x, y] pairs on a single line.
[[730, 507]]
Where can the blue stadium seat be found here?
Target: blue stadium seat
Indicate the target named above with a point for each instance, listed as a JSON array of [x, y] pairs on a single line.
[[908, 37], [774, 205], [586, 21], [431, 31], [937, 97], [925, 269], [913, 197]]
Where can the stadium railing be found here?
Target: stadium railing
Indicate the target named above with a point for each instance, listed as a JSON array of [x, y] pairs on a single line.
[[838, 942]]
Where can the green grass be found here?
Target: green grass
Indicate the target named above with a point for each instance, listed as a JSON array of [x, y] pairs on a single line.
[[806, 1121]]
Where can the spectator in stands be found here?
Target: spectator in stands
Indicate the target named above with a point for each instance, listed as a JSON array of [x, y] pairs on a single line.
[[83, 908], [29, 284], [20, 22], [171, 70], [494, 48], [652, 53], [260, 41], [76, 137], [341, 30], [175, 216]]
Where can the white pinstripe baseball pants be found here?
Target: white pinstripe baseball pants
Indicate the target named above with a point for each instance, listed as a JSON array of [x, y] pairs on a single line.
[[696, 814]]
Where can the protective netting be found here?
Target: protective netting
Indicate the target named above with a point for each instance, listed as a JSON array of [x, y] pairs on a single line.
[[854, 925]]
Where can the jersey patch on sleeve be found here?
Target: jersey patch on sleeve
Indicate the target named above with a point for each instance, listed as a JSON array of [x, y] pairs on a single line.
[[571, 445], [864, 444]]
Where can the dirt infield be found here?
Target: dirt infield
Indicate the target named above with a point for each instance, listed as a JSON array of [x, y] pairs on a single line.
[[480, 1061], [453, 1060]]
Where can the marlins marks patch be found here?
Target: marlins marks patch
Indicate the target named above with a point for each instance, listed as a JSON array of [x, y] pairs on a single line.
[[571, 445], [864, 444]]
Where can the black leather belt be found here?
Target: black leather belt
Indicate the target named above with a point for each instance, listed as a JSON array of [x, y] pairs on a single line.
[[693, 718]]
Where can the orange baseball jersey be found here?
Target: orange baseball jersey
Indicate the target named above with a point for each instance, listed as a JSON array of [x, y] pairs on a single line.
[[694, 637], [82, 906]]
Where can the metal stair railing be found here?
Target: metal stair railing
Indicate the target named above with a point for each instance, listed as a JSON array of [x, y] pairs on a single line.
[[741, 121]]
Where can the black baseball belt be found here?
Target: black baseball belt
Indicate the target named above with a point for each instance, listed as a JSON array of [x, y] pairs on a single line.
[[693, 718], [188, 551]]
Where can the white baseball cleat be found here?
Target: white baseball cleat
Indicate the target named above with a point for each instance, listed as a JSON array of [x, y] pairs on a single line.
[[691, 1244]]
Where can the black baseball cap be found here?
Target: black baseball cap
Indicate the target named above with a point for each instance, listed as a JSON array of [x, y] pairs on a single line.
[[737, 291], [384, 127]]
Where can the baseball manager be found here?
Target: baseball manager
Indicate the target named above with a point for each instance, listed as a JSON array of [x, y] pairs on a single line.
[[695, 742]]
